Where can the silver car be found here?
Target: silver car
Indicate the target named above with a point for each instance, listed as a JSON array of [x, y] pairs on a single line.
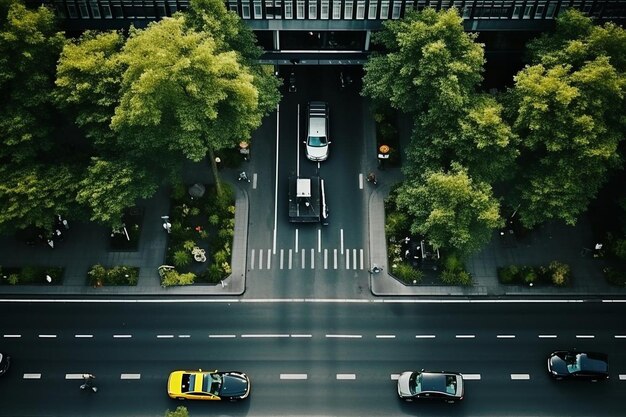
[[444, 386], [317, 140]]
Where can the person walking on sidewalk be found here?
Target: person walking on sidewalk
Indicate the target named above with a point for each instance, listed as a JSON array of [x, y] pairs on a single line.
[[243, 176], [88, 384]]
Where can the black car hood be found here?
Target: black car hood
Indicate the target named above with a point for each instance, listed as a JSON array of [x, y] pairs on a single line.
[[558, 365], [233, 385]]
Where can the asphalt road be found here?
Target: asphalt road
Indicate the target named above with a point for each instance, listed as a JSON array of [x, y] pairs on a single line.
[[306, 358], [294, 260]]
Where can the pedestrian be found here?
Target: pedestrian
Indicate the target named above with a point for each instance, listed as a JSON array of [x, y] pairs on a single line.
[[243, 176], [88, 384], [167, 226], [371, 177]]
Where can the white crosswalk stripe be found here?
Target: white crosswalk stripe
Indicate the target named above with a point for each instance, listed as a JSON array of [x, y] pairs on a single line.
[[262, 259]]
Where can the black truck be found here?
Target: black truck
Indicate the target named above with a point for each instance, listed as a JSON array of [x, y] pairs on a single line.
[[307, 200]]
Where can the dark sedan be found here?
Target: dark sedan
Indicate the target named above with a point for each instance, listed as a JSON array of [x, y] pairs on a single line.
[[578, 365]]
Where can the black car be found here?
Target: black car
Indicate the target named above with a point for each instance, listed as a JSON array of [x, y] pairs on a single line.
[[5, 362], [578, 365]]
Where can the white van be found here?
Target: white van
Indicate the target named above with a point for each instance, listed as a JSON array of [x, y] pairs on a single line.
[[317, 140]]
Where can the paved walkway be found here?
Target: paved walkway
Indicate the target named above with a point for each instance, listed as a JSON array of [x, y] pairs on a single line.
[[87, 244]]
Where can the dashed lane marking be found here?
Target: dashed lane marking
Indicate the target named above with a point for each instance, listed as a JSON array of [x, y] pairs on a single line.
[[130, 376], [620, 336], [520, 377], [14, 336], [73, 376], [165, 336], [465, 336], [585, 336], [385, 336], [263, 336], [346, 376], [32, 376], [221, 336], [547, 336], [394, 377], [47, 336], [472, 377], [282, 258], [83, 336], [301, 335], [294, 376], [505, 336], [344, 336], [425, 336], [122, 336], [622, 377], [184, 336]]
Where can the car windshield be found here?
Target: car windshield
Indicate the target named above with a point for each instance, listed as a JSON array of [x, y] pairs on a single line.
[[451, 385], [573, 363], [415, 383], [317, 141], [212, 383]]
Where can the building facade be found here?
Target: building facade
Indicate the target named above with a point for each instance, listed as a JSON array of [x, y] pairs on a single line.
[[331, 31]]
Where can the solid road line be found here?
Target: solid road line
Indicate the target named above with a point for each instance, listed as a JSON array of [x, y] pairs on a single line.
[[278, 173]]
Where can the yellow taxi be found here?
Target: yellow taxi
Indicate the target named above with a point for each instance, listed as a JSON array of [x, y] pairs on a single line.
[[208, 385]]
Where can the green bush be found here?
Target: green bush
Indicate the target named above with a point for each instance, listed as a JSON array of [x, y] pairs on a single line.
[[13, 279], [118, 275], [214, 219], [508, 274], [452, 262], [559, 273], [396, 224], [172, 277], [189, 245], [528, 275], [615, 276], [213, 274], [31, 274], [407, 274], [619, 248], [458, 277], [182, 258], [97, 275]]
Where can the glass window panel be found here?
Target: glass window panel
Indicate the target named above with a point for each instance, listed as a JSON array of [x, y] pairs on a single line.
[[516, 11], [371, 13], [395, 11], [245, 10], [467, 12], [71, 10], [348, 9], [84, 12], [172, 5], [95, 11], [60, 9], [232, 6], [258, 12], [312, 9], [300, 9], [527, 11], [288, 10], [336, 10], [539, 11], [139, 10], [325, 9], [550, 10], [384, 10], [360, 9], [118, 12]]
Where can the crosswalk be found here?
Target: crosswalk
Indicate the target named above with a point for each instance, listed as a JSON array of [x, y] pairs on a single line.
[[309, 258]]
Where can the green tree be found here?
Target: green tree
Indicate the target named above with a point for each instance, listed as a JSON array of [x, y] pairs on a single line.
[[429, 63], [188, 99], [569, 133], [89, 78], [29, 48], [451, 209]]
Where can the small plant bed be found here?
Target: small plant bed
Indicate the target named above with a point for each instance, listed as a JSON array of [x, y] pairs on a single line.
[[99, 276], [31, 275], [126, 237], [202, 230], [412, 260], [556, 273]]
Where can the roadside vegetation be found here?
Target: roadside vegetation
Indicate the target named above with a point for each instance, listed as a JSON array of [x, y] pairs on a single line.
[[539, 151]]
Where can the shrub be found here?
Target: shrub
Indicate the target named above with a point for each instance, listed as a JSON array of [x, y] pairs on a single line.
[[396, 224], [528, 275], [123, 275], [179, 191], [559, 273], [452, 262], [508, 274], [615, 276], [213, 274], [182, 258], [97, 275], [30, 274], [172, 277], [458, 277], [407, 274], [214, 219], [619, 248], [189, 245], [225, 267], [13, 279]]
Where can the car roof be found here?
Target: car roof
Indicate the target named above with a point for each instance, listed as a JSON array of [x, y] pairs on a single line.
[[434, 381]]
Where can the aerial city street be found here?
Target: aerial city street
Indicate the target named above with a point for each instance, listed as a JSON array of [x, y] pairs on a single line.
[[307, 310]]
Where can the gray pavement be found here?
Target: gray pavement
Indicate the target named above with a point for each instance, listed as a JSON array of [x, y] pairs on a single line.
[[87, 244]]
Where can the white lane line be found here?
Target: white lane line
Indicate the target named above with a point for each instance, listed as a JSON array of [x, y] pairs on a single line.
[[83, 336], [360, 181], [585, 336], [73, 376], [266, 336], [122, 336], [346, 376], [254, 177], [260, 258], [282, 258], [547, 336], [394, 377], [301, 335], [32, 376], [221, 336], [325, 258], [14, 336], [505, 336], [347, 258], [335, 258], [296, 241], [294, 376], [361, 259], [341, 239], [290, 258], [252, 259], [344, 336], [617, 336], [319, 240], [165, 336], [48, 336], [425, 336], [385, 336], [184, 336], [520, 377], [130, 376], [354, 259], [465, 336], [622, 377], [312, 258], [303, 260], [269, 259], [471, 377]]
